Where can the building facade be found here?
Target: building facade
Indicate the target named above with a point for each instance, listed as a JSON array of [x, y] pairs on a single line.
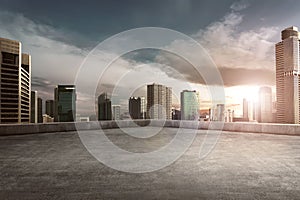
[[104, 107], [264, 105], [135, 107], [159, 102], [116, 112], [189, 105], [15, 83], [65, 103], [50, 107], [34, 107], [40, 110], [287, 77]]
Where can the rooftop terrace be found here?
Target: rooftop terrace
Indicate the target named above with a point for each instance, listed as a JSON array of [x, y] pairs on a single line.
[[242, 165]]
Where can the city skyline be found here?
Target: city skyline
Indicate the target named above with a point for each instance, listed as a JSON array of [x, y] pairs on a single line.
[[62, 45]]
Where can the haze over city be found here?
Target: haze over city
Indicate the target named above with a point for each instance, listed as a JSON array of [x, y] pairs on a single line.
[[238, 35]]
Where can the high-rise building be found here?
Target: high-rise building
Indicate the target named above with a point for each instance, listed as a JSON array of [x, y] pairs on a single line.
[[34, 107], [264, 105], [189, 103], [65, 103], [104, 107], [159, 101], [116, 112], [15, 83], [134, 107], [245, 110], [143, 108], [40, 110], [287, 77], [220, 112], [50, 108]]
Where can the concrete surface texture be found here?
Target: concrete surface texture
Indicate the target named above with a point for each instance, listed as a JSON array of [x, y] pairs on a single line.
[[241, 166]]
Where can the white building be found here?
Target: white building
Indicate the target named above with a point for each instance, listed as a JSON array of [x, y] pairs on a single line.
[[287, 76], [116, 112]]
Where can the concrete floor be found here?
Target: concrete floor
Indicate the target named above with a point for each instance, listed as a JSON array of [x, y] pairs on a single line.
[[242, 166]]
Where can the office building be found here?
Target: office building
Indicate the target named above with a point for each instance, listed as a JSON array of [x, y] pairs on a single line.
[[159, 102], [116, 112], [104, 107], [50, 108], [245, 110], [264, 105], [65, 103], [15, 83], [189, 105], [143, 108], [134, 107], [287, 77], [34, 107], [220, 112], [40, 110]]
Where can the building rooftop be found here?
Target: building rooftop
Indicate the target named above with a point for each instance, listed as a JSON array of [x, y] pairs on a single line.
[[242, 165]]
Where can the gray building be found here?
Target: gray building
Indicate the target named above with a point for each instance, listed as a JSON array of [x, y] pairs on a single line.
[[189, 105], [104, 107], [50, 107], [65, 103], [264, 105], [34, 107], [287, 77], [116, 112], [15, 83], [40, 110], [159, 101]]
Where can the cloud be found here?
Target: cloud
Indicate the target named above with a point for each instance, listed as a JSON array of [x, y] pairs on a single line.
[[233, 51], [239, 5]]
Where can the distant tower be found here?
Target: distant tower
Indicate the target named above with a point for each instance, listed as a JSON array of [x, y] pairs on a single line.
[[34, 107], [287, 77], [245, 110], [104, 107], [264, 110], [116, 112], [220, 112], [65, 103], [189, 103], [40, 110], [159, 101], [134, 107], [15, 83], [50, 108]]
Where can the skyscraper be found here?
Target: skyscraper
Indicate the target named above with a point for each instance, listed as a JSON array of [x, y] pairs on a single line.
[[65, 103], [104, 107], [34, 107], [220, 112], [50, 108], [15, 83], [40, 110], [189, 103], [264, 106], [159, 101], [134, 107], [245, 110], [287, 76], [116, 112]]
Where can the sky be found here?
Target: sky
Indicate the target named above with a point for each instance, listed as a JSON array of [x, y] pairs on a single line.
[[238, 36]]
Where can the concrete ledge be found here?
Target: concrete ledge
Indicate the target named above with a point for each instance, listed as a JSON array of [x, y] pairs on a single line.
[[18, 129]]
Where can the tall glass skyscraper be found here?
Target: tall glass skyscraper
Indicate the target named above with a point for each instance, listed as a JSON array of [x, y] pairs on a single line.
[[287, 77], [15, 83], [65, 103], [189, 102]]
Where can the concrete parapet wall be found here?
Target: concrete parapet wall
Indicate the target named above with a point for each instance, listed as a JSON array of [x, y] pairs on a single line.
[[17, 129]]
